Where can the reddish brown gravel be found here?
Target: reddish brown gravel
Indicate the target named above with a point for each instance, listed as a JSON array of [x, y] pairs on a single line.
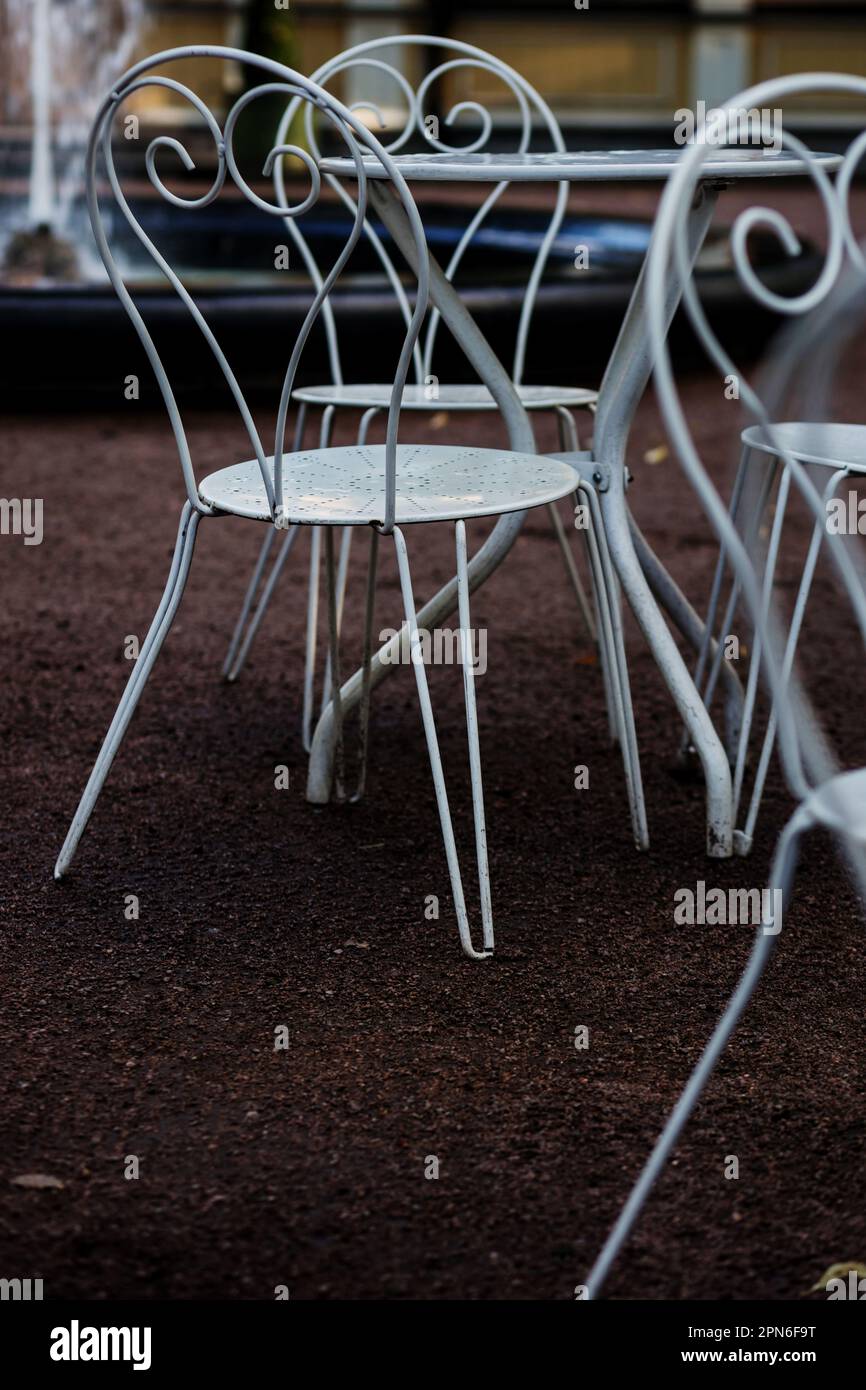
[[155, 1037]]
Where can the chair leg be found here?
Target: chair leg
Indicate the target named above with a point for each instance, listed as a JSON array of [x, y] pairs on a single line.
[[240, 645], [571, 570], [734, 702], [310, 642], [613, 642], [714, 759], [782, 877], [569, 443], [568, 435], [743, 838], [342, 570], [157, 633], [366, 668], [366, 420], [755, 657], [604, 626], [289, 539], [472, 735], [325, 431], [436, 761], [334, 663], [719, 574], [232, 666]]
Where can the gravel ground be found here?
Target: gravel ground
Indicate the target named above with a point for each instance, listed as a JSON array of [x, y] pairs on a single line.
[[306, 1167]]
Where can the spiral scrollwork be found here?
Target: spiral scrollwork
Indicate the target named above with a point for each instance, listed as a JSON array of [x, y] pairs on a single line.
[[408, 119], [460, 108], [294, 89], [673, 241], [850, 163], [277, 151]]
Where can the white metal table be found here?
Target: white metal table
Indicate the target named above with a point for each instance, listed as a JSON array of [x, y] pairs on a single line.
[[643, 577]]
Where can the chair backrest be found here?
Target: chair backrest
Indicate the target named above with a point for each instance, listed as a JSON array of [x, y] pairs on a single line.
[[535, 126], [824, 311], [357, 140]]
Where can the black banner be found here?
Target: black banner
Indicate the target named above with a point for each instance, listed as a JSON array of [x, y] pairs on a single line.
[[163, 1340]]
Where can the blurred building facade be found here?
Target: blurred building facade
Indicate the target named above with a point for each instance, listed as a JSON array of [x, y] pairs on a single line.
[[616, 66], [624, 65]]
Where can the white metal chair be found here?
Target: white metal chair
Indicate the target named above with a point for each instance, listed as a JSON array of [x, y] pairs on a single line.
[[376, 60], [763, 484], [382, 488], [827, 796]]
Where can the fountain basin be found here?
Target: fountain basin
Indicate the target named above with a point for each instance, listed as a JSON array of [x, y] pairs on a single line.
[[74, 344]]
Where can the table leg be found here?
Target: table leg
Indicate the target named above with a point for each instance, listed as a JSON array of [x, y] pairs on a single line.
[[505, 532], [625, 380]]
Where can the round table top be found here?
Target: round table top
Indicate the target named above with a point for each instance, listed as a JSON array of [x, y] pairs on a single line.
[[580, 166]]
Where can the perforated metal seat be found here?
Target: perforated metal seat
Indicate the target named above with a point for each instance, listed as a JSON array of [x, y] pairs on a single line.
[[447, 397], [435, 482], [815, 441]]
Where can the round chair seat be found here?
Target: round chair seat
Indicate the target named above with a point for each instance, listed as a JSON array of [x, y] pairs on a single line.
[[435, 482], [448, 398], [834, 446]]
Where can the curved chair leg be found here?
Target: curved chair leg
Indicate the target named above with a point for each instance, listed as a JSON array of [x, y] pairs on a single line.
[[782, 877], [571, 569], [334, 662], [472, 735], [313, 603], [233, 664], [755, 659], [435, 759], [602, 591], [719, 573], [313, 593], [276, 570], [568, 442], [743, 838], [363, 429], [366, 668], [157, 633], [568, 434], [342, 571], [310, 641], [613, 642], [735, 695], [240, 644]]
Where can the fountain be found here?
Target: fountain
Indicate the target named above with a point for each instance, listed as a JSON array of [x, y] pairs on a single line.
[[72, 49], [42, 190]]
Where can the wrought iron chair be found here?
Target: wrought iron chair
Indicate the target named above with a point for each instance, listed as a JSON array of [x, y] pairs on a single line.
[[382, 488], [827, 797], [375, 59], [763, 486]]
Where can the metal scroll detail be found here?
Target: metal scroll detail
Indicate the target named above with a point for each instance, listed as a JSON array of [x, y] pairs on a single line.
[[358, 140]]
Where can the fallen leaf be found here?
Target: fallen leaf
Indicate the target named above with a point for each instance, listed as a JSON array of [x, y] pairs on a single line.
[[361, 945], [656, 455], [839, 1271], [38, 1180]]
